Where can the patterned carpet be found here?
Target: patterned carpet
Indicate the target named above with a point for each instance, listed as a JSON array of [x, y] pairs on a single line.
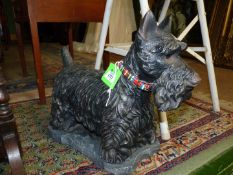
[[193, 128]]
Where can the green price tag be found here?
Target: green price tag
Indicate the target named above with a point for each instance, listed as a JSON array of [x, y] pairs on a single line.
[[111, 75]]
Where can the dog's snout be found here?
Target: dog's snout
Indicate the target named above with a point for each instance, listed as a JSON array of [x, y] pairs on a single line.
[[196, 79], [183, 45]]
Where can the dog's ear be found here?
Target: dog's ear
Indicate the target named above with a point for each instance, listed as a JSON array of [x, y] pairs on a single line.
[[166, 24], [148, 26]]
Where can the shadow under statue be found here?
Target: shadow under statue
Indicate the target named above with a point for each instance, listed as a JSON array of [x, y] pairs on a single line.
[[114, 126]]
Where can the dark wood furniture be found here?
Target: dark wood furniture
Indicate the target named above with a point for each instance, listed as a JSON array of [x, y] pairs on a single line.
[[5, 30], [8, 132], [219, 29], [21, 16], [56, 11]]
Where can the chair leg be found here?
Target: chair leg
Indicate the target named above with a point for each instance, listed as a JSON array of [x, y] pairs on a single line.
[[6, 36], [70, 39], [164, 129], [37, 60], [106, 60], [106, 55], [21, 49], [103, 33], [164, 10], [208, 55]]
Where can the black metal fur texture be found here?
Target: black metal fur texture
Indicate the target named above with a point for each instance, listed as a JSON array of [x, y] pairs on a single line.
[[79, 96]]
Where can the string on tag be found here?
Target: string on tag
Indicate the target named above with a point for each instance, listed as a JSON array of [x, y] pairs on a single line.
[[114, 75], [109, 94]]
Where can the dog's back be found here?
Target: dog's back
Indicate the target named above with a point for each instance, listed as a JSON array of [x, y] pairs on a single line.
[[77, 91]]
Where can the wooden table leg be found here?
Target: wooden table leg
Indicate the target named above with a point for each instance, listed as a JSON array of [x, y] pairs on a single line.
[[106, 55], [21, 49], [37, 60], [70, 39]]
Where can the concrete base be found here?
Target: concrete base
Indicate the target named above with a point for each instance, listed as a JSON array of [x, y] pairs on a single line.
[[89, 145]]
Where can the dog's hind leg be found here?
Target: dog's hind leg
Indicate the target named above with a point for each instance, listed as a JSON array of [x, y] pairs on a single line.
[[62, 116]]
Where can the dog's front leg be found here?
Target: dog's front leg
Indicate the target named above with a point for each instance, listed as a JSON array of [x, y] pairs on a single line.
[[116, 141], [114, 155], [147, 134], [149, 137]]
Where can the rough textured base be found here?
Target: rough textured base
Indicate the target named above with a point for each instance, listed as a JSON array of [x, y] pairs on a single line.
[[90, 146]]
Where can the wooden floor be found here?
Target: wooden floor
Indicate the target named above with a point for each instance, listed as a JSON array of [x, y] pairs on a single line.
[[224, 79]]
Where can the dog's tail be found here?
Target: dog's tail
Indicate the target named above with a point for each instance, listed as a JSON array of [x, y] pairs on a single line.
[[66, 57]]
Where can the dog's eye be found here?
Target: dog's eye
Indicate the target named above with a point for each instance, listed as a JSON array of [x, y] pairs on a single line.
[[172, 52], [168, 56], [156, 49]]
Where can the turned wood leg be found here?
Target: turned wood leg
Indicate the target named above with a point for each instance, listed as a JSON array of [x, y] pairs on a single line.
[[8, 131], [21, 49], [13, 154]]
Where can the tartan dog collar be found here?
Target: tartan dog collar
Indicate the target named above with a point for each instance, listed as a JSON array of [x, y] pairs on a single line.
[[143, 85]]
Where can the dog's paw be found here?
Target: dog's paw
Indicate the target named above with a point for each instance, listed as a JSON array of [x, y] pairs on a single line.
[[147, 138], [151, 137], [113, 156]]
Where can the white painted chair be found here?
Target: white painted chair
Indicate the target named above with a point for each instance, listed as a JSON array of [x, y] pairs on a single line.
[[122, 50]]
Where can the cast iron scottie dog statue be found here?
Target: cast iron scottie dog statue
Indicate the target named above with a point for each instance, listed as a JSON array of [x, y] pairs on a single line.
[[152, 66]]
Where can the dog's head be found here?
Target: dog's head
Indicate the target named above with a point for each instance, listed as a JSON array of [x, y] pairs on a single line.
[[156, 47], [174, 86], [156, 52]]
